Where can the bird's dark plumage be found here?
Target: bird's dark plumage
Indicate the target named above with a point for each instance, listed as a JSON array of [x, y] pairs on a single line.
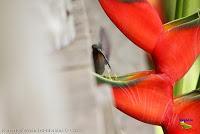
[[101, 53]]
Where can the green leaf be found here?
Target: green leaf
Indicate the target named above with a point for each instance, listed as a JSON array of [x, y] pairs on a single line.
[[190, 6], [179, 9], [198, 85], [182, 21], [189, 81], [169, 9]]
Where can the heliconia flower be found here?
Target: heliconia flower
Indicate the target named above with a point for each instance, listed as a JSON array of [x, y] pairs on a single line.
[[148, 95]]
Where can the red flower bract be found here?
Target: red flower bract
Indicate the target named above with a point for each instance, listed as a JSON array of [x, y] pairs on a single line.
[[174, 50], [137, 20]]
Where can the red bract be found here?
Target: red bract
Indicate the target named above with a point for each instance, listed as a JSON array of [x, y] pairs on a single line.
[[136, 20], [174, 48]]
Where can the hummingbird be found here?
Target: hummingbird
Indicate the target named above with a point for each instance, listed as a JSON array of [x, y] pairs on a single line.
[[101, 52]]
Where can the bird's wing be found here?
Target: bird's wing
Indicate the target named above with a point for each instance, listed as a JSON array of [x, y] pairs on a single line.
[[105, 58]]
